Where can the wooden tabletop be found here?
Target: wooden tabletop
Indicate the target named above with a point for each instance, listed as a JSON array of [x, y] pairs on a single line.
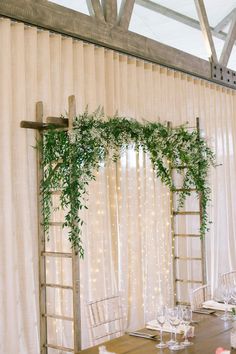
[[210, 332]]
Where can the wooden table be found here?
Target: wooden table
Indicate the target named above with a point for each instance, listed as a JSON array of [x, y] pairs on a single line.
[[210, 332]]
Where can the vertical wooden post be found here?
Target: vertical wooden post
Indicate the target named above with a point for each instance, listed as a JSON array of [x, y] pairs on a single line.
[[75, 258], [203, 249], [41, 241], [110, 11]]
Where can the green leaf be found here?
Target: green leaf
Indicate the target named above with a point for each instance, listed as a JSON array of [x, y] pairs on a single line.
[[70, 160]]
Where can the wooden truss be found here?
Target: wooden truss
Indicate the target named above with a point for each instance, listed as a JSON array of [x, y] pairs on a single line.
[[108, 28]]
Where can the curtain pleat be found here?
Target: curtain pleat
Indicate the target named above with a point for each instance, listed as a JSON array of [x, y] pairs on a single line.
[[19, 272], [126, 235]]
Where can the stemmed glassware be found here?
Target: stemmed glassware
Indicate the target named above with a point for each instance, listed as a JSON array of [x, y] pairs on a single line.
[[186, 320], [175, 319], [161, 318], [226, 293], [233, 291], [171, 341], [233, 295]]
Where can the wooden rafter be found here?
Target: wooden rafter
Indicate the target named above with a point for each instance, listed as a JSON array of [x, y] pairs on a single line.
[[95, 9], [125, 13], [186, 20], [110, 11], [69, 22], [229, 43], [202, 15], [216, 31], [51, 16], [223, 23]]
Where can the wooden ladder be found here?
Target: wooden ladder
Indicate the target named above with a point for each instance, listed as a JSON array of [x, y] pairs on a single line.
[[188, 247], [45, 254]]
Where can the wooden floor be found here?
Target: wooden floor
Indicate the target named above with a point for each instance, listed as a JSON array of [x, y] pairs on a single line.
[[210, 332]]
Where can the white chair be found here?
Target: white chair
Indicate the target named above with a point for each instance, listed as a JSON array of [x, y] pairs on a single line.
[[105, 319], [199, 295], [228, 279]]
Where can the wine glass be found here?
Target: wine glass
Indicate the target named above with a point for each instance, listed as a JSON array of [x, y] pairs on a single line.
[[171, 341], [175, 319], [233, 295], [233, 291], [226, 293], [161, 318], [186, 320]]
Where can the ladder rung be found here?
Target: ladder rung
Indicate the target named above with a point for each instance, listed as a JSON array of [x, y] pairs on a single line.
[[56, 192], [188, 281], [186, 213], [181, 167], [195, 128], [187, 127], [64, 349], [188, 258], [58, 286], [184, 303], [33, 125], [55, 162], [58, 317], [187, 235], [184, 190], [62, 122], [57, 254], [56, 223]]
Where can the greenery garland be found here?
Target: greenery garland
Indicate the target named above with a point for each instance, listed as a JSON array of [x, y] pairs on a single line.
[[70, 160]]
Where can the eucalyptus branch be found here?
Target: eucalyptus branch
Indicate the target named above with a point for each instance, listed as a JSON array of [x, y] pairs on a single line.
[[94, 139]]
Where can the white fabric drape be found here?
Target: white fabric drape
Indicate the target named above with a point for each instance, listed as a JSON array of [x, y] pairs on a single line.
[[126, 235]]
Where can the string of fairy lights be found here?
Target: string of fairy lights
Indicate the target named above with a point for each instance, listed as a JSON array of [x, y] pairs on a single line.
[[127, 243]]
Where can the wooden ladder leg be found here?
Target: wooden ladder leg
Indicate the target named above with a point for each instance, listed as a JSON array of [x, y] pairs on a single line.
[[41, 241], [75, 258]]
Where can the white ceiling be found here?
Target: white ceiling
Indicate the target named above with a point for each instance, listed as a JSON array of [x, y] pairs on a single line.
[[216, 9], [171, 32]]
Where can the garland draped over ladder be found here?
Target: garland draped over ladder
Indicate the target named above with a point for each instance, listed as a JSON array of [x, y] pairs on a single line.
[[71, 158]]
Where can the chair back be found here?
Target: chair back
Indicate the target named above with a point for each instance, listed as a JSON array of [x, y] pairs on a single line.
[[228, 279], [199, 295], [105, 319]]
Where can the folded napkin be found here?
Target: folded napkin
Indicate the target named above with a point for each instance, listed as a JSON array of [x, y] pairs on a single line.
[[214, 305], [143, 335], [167, 328]]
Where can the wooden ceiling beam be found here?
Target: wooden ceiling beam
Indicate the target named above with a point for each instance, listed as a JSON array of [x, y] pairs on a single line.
[[206, 31], [125, 13], [229, 43], [95, 9], [174, 15], [224, 22], [51, 16], [110, 11]]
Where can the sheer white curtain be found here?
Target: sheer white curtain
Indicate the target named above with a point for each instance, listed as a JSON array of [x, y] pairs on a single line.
[[18, 250], [128, 248], [126, 235]]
